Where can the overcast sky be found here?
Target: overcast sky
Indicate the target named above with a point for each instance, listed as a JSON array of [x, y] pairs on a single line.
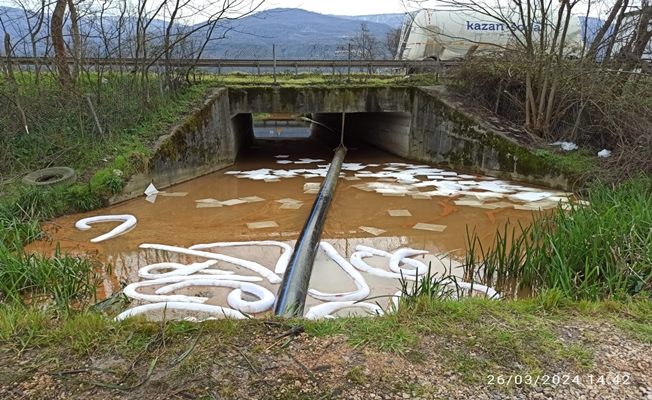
[[341, 7]]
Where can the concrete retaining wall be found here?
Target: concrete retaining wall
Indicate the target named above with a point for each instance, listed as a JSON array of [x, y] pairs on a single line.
[[445, 131], [426, 125], [204, 142]]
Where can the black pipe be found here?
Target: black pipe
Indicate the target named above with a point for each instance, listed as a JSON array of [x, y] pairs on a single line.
[[291, 297]]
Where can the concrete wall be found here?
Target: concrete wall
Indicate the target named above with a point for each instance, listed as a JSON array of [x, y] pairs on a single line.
[[427, 125], [319, 99], [446, 131], [204, 142]]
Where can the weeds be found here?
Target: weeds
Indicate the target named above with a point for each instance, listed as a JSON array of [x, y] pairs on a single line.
[[600, 251], [28, 278]]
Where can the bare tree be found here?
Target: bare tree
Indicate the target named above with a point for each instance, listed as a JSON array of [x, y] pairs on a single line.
[[366, 45], [59, 44], [392, 41]]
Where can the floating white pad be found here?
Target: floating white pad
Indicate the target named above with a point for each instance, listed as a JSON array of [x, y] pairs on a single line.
[[282, 156], [151, 189], [207, 201], [173, 194], [209, 205], [530, 196], [421, 196], [291, 206], [399, 213], [373, 231], [232, 202], [262, 225], [251, 199], [429, 227]]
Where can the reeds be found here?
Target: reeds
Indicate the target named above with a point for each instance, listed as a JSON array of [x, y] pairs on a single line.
[[27, 278], [603, 250]]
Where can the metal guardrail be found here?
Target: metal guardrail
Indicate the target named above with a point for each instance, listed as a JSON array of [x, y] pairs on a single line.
[[238, 63]]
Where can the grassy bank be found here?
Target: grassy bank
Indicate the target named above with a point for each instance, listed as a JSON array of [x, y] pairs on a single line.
[[458, 343], [599, 251]]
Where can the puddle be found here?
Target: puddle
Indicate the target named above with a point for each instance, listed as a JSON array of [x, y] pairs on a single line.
[[386, 203]]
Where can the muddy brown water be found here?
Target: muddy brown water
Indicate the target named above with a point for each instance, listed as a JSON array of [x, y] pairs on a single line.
[[176, 220]]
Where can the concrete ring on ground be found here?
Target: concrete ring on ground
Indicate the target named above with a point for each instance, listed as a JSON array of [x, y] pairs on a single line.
[[50, 176]]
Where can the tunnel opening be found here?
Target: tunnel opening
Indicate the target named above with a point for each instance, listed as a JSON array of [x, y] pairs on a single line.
[[388, 131]]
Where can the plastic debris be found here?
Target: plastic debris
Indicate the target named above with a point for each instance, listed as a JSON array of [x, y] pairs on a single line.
[[373, 231], [429, 227], [233, 202], [252, 199], [151, 198], [173, 194], [291, 206], [151, 189], [284, 162], [421, 196], [530, 196], [282, 156], [288, 200], [262, 225], [399, 213], [604, 153], [566, 146], [209, 205]]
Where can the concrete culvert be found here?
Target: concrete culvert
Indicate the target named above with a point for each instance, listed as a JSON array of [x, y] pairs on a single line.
[[50, 176]]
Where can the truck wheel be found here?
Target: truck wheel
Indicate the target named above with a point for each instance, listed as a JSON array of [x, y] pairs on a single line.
[[50, 176]]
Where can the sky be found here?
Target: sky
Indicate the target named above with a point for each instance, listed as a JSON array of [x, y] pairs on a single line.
[[341, 7]]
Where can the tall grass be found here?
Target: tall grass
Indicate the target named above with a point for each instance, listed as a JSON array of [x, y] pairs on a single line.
[[27, 278], [603, 250]]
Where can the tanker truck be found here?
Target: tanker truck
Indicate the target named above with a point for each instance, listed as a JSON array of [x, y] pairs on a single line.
[[449, 35]]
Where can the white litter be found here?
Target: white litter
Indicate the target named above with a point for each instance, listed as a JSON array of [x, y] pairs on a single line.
[[282, 156], [373, 231], [399, 213], [566, 146], [604, 153], [530, 196], [470, 203], [173, 194], [251, 199], [151, 189], [233, 202], [232, 172], [284, 162], [291, 206], [429, 227], [209, 205], [151, 198], [421, 196], [262, 225]]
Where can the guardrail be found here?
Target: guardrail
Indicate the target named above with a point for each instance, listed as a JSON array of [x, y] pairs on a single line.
[[238, 63]]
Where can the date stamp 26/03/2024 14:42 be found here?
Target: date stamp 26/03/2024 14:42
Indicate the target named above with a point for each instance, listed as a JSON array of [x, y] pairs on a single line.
[[556, 380]]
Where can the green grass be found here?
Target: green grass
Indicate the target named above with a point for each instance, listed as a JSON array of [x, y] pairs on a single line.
[[469, 337], [576, 162], [600, 251], [34, 278]]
